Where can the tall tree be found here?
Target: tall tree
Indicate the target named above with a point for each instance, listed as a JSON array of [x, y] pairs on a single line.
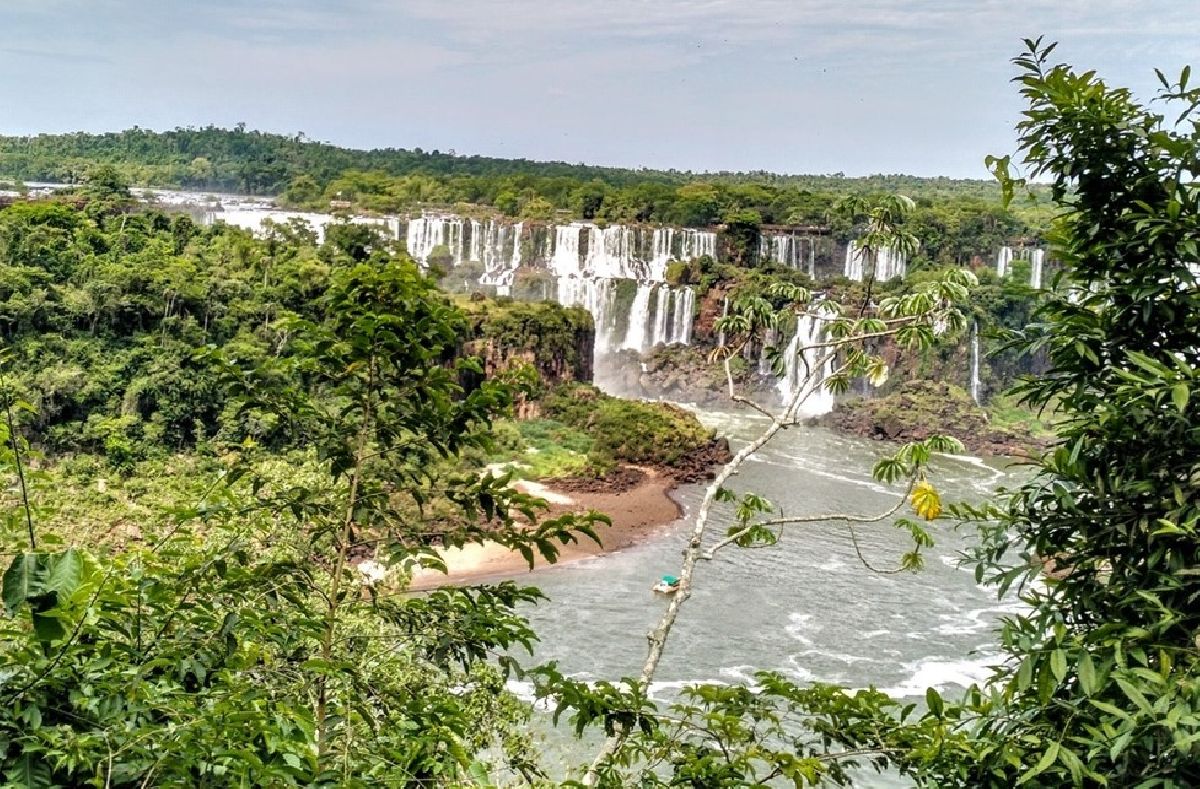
[[1101, 685]]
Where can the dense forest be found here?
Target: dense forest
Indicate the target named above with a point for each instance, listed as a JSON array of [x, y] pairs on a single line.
[[307, 174]]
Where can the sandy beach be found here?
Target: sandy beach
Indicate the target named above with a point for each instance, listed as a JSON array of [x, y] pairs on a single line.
[[636, 513]]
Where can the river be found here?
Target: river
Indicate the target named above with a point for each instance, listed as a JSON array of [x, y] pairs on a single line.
[[805, 607]]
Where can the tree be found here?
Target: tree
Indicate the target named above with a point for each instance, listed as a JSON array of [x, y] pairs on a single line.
[[1101, 684], [238, 644], [881, 219]]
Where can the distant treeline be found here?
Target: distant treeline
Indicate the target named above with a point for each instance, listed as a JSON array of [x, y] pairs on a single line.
[[956, 218]]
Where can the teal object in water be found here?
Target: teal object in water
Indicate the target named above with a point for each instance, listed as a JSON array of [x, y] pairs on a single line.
[[670, 580]]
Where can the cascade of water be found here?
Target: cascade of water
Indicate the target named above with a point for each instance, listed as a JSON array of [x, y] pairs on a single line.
[[565, 260], [477, 240], [787, 250], [662, 316], [597, 296], [696, 244], [664, 241], [799, 359], [685, 305], [1036, 258], [1004, 261], [429, 231], [975, 361], [639, 318], [889, 263], [516, 247]]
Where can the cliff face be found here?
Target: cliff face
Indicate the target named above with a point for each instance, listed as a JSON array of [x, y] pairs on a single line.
[[555, 341]]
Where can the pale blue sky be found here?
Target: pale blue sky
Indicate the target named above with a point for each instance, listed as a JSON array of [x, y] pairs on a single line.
[[801, 86]]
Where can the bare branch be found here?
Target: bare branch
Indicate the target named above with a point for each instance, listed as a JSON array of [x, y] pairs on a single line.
[[796, 519]]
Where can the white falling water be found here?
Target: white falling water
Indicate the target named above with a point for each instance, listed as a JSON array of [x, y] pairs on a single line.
[[1004, 261], [587, 262], [430, 231], [658, 313], [635, 332], [598, 297], [662, 317], [498, 247], [888, 263], [798, 252], [1036, 258], [685, 306], [257, 219], [975, 361], [799, 360]]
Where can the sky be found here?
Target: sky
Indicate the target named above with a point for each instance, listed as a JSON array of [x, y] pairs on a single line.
[[794, 86]]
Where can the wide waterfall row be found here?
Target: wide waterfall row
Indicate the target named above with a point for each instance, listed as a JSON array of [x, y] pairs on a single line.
[[798, 252], [623, 252], [258, 221], [888, 263], [1036, 258], [657, 314], [495, 244], [806, 367]]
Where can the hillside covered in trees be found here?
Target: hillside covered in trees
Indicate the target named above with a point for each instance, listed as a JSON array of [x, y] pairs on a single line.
[[309, 174]]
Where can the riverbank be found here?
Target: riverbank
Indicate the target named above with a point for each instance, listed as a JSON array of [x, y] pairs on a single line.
[[639, 505]]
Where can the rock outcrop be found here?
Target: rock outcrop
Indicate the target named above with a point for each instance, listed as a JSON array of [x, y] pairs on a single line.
[[920, 409]]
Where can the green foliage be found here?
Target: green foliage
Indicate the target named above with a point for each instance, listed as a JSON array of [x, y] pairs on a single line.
[[557, 340], [1101, 681], [954, 219], [627, 431], [544, 449], [225, 636]]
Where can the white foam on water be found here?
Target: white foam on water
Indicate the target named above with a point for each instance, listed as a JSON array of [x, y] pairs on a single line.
[[842, 657], [743, 674], [799, 672], [942, 673], [876, 633]]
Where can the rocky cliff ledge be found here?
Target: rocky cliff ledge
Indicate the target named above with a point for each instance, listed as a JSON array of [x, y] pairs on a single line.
[[920, 409], [557, 341]]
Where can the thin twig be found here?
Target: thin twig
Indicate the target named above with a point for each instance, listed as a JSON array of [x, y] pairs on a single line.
[[795, 519]]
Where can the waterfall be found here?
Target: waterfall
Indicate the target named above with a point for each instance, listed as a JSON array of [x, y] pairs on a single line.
[[498, 247], [598, 297], [798, 252], [975, 361], [565, 260], [662, 316], [797, 364], [1036, 258], [685, 305], [697, 244], [888, 263], [430, 231], [1004, 261], [639, 316], [255, 220]]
